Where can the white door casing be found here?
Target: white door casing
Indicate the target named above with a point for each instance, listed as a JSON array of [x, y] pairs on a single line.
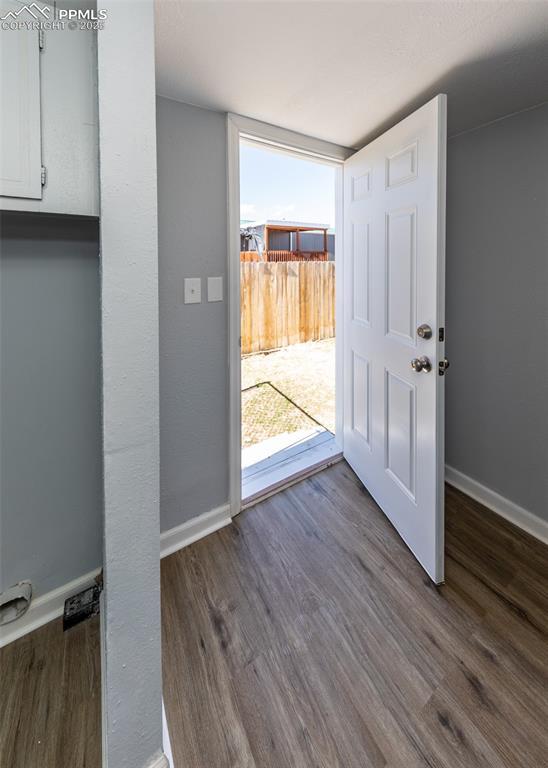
[[240, 127], [394, 266]]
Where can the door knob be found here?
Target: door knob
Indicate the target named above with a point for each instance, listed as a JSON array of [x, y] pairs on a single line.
[[424, 331], [419, 364]]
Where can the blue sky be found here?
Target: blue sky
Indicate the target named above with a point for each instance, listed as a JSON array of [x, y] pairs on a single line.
[[278, 186]]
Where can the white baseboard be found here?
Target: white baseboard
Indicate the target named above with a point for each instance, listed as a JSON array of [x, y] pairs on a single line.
[[515, 514], [165, 738], [51, 605], [45, 608], [194, 529], [160, 761]]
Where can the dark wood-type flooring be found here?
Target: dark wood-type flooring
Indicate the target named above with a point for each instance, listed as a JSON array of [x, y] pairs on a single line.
[[306, 636], [50, 698]]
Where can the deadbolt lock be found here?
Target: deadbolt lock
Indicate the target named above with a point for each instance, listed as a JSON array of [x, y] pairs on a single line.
[[419, 364], [424, 331]]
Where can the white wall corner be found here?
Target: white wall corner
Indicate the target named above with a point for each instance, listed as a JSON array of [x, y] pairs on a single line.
[[520, 517], [194, 529]]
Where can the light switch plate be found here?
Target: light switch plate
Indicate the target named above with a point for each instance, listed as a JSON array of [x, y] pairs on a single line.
[[214, 288], [193, 290]]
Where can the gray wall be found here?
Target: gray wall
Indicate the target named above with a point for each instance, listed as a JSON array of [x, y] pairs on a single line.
[[51, 495], [497, 307], [497, 321], [279, 241], [192, 202], [497, 336], [313, 241]]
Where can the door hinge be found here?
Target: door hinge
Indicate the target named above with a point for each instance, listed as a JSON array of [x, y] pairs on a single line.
[[43, 175], [41, 39]]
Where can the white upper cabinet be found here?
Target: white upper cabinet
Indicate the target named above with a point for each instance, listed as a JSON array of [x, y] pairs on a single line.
[[20, 151], [49, 159]]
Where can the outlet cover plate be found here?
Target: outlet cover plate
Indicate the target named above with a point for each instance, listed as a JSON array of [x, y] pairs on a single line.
[[214, 288]]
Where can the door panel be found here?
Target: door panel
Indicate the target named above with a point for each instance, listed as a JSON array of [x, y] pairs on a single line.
[[400, 433], [360, 269], [394, 242], [360, 397], [401, 298]]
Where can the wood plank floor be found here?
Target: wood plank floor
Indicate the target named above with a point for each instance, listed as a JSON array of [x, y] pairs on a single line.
[[306, 636], [50, 698]]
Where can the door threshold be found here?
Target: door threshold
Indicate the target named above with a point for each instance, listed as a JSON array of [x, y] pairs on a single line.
[[287, 467]]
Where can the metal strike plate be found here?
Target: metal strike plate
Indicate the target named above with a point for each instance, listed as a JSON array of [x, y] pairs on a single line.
[[443, 365]]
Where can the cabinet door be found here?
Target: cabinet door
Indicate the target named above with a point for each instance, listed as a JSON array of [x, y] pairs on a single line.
[[20, 152]]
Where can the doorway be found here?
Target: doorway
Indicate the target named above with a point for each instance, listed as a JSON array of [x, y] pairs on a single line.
[[288, 306], [314, 437], [390, 339]]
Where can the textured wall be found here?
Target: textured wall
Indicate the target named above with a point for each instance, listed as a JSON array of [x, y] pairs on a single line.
[[497, 307], [131, 647]]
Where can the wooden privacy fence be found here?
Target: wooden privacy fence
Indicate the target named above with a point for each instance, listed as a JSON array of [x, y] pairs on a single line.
[[297, 256], [285, 256], [249, 256], [286, 303]]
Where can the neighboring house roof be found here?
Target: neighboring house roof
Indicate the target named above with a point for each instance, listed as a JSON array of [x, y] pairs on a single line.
[[285, 225]]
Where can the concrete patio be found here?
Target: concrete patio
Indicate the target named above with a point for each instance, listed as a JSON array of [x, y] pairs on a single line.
[[288, 396]]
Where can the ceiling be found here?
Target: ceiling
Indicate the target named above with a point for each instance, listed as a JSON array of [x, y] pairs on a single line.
[[345, 71]]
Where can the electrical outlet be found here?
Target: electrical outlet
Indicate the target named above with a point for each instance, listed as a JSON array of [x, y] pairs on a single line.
[[81, 606]]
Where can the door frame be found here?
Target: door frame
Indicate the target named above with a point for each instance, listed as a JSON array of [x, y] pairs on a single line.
[[305, 147]]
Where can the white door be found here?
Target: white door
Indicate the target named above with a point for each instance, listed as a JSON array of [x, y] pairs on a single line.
[[394, 246]]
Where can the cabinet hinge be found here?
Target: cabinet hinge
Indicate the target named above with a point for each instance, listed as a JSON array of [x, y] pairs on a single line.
[[43, 175], [41, 39]]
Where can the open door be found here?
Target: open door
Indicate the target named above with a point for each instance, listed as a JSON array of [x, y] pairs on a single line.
[[394, 327]]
